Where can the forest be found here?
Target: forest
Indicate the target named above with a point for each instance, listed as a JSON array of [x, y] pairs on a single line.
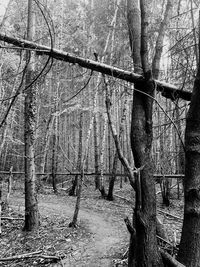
[[99, 133]]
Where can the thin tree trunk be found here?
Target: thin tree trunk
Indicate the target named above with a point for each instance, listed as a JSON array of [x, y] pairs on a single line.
[[72, 191], [102, 188], [80, 181], [48, 132], [96, 154], [189, 252], [112, 178], [1, 192], [31, 202], [53, 163], [160, 40], [115, 161]]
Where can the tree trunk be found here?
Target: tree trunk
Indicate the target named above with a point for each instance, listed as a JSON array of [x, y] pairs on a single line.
[[73, 190], [112, 178], [80, 180], [101, 187], [31, 203], [145, 248], [53, 163], [96, 154], [189, 252], [145, 210]]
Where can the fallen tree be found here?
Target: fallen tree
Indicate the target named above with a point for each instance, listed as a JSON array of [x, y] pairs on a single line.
[[166, 89]]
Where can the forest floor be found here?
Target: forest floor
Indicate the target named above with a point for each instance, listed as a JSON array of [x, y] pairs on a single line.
[[100, 239]]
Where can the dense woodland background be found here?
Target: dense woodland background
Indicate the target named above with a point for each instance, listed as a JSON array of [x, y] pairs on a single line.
[[58, 119], [70, 97]]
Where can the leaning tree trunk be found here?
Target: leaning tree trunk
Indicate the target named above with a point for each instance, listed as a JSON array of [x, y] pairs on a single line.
[[31, 203], [189, 252], [115, 160]]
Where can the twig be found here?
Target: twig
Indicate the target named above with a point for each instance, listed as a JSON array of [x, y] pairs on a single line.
[[171, 215], [31, 255], [125, 253], [49, 257], [167, 242], [125, 199], [22, 256], [11, 218]]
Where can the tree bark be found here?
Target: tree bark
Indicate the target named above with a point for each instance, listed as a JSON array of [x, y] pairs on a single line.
[[31, 203], [145, 248], [189, 252]]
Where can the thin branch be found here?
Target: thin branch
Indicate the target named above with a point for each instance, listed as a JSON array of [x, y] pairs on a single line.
[[12, 218], [31, 255], [116, 140], [22, 256]]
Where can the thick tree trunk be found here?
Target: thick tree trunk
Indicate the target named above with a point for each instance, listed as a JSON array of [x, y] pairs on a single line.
[[31, 203], [189, 252], [145, 209], [145, 248]]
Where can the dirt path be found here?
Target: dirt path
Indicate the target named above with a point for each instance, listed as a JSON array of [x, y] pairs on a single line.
[[108, 233]]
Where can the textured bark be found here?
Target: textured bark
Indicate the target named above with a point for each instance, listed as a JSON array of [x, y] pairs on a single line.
[[134, 18], [31, 203], [189, 252], [145, 211], [145, 249]]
